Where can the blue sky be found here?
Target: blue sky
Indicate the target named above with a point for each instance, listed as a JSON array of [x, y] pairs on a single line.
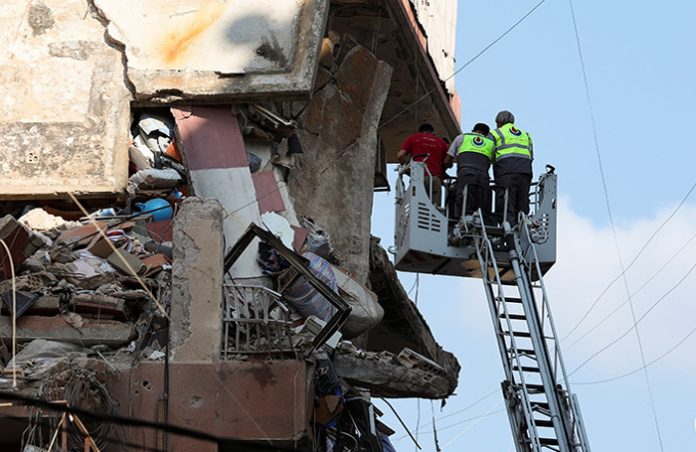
[[641, 76]]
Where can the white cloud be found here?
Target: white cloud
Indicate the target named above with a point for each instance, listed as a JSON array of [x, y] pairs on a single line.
[[587, 263]]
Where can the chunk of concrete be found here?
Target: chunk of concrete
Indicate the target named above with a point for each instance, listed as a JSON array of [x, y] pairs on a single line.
[[107, 332], [197, 278], [64, 101], [20, 241], [331, 179], [387, 376], [190, 49]]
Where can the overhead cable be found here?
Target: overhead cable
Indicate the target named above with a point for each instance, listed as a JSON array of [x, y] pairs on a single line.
[[135, 422], [653, 306], [613, 226], [633, 261], [653, 276], [635, 371]]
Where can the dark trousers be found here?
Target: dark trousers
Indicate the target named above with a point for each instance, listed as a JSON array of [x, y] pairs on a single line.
[[517, 186], [477, 197]]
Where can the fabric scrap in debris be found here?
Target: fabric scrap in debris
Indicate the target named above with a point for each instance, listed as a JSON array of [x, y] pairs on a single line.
[[305, 298]]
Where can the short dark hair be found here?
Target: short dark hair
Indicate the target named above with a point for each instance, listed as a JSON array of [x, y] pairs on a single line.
[[481, 128], [426, 128]]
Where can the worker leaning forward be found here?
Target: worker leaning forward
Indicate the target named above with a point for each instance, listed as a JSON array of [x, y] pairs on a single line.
[[474, 154], [426, 145], [512, 168]]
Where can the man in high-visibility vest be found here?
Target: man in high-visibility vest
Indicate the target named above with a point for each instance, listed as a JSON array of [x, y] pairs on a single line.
[[474, 154], [512, 168]]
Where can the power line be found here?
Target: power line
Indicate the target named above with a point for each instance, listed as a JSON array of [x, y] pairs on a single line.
[[633, 261], [611, 222], [343, 152], [466, 408], [654, 275], [135, 422], [654, 361], [635, 325]]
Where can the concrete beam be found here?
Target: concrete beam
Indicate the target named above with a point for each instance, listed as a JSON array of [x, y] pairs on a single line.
[[403, 326], [385, 375], [92, 332], [197, 278]]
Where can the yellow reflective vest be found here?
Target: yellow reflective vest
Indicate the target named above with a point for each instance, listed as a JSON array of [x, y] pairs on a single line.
[[513, 150]]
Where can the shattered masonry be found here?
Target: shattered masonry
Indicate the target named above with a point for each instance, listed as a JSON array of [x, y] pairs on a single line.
[[224, 278]]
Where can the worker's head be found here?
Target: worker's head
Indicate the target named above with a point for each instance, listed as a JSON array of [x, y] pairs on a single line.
[[481, 128], [504, 117], [426, 128]]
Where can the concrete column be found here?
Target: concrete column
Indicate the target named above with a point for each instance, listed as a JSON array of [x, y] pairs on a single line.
[[197, 278]]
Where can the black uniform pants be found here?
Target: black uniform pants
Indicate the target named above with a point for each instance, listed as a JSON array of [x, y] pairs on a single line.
[[517, 186], [477, 197]]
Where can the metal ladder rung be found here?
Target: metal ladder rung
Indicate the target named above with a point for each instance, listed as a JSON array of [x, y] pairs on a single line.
[[548, 441], [526, 369], [514, 316], [512, 300], [535, 388], [543, 423], [518, 333], [524, 352]]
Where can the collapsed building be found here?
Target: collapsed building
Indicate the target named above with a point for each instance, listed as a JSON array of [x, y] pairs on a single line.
[[186, 198]]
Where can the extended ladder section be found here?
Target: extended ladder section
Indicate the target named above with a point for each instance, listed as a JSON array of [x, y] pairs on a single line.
[[544, 415]]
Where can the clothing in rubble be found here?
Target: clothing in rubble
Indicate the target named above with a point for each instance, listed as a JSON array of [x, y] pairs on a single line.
[[473, 153], [512, 169]]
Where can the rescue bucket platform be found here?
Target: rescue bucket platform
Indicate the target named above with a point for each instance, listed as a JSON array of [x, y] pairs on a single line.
[[423, 237]]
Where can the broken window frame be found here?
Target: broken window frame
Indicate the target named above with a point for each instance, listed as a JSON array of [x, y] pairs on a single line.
[[300, 264]]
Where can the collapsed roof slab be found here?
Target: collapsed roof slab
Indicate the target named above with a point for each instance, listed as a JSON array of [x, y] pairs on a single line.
[[217, 51], [403, 325], [64, 101]]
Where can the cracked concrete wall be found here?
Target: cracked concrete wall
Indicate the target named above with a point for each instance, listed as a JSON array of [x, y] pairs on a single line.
[[197, 278], [65, 104], [334, 178], [217, 51]]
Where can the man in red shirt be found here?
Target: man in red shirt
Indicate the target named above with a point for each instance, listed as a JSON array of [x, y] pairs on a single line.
[[426, 144]]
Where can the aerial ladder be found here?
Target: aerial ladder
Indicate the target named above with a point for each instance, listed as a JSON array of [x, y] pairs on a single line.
[[511, 261]]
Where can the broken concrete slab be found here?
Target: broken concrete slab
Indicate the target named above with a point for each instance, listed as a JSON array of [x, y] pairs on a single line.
[[82, 236], [403, 325], [217, 51], [107, 332], [21, 242], [197, 278], [340, 143], [99, 306], [65, 103], [384, 375]]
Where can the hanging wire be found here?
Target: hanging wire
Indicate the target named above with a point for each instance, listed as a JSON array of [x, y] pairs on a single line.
[[611, 223], [648, 281], [635, 371], [633, 261], [437, 443], [635, 325]]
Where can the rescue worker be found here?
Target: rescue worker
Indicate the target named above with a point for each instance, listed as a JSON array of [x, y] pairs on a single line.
[[426, 145], [474, 154], [512, 168]]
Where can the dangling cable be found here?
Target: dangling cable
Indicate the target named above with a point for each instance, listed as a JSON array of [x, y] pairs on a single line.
[[611, 223]]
